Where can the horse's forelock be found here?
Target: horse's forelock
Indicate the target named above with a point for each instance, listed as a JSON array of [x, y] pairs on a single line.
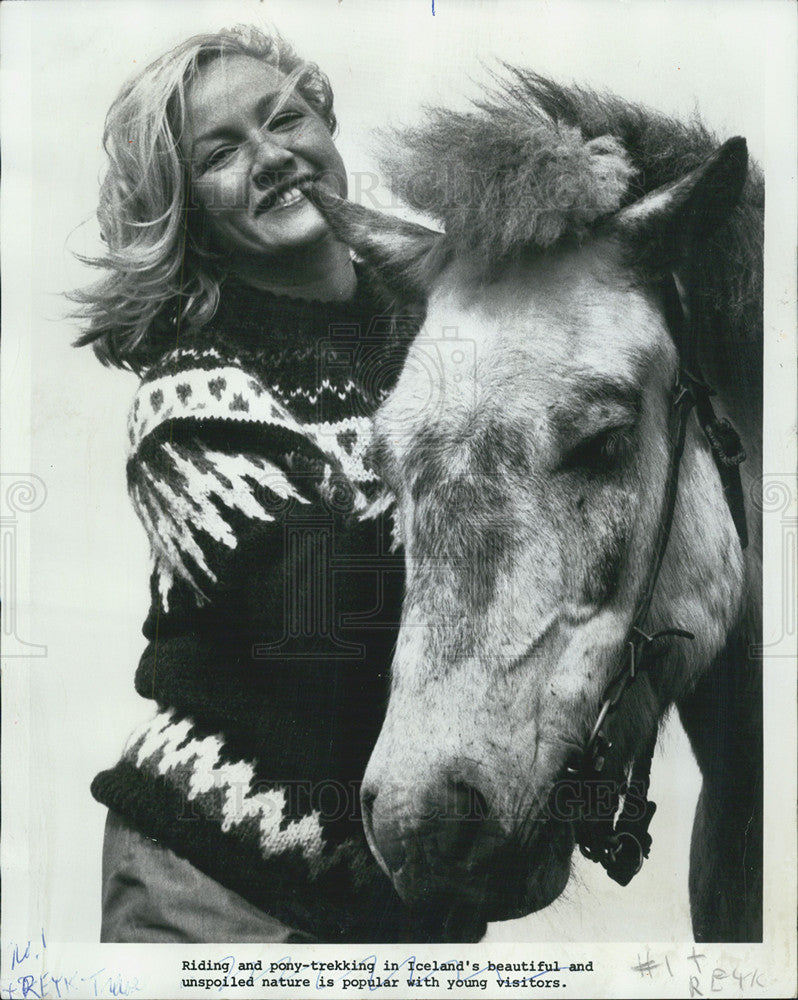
[[504, 182], [538, 164]]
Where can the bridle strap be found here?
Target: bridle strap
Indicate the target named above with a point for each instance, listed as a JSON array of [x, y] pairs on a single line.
[[638, 641], [728, 453], [620, 841], [681, 406], [724, 441]]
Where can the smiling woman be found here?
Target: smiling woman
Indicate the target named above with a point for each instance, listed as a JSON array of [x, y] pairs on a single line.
[[234, 813], [250, 140]]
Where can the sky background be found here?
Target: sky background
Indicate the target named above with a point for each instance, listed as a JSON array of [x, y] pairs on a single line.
[[87, 554]]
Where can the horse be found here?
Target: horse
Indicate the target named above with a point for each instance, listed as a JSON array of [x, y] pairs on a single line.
[[582, 539]]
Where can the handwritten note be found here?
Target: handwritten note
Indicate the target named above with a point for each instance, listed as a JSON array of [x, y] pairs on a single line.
[[701, 974], [33, 978]]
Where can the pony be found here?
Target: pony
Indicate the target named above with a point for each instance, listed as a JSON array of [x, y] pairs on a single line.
[[580, 557]]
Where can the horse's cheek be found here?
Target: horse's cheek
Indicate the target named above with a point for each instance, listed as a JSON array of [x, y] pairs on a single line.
[[702, 580], [598, 535]]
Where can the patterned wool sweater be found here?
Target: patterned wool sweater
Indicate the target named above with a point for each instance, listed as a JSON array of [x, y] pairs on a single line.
[[276, 588]]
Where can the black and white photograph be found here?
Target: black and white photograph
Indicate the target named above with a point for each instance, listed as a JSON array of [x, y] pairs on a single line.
[[399, 498]]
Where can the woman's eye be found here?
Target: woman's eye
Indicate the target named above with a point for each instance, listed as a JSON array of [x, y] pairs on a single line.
[[218, 156], [284, 119], [602, 451]]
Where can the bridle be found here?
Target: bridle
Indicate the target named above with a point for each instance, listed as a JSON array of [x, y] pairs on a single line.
[[619, 840]]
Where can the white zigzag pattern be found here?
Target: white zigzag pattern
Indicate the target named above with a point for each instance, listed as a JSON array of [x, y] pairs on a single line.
[[313, 397], [158, 744]]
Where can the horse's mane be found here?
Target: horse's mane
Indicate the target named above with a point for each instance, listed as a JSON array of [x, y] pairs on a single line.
[[537, 164]]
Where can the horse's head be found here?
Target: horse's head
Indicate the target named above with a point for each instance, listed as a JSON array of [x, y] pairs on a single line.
[[527, 443]]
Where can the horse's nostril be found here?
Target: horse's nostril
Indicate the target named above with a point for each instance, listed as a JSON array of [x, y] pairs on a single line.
[[393, 854], [451, 826], [383, 838]]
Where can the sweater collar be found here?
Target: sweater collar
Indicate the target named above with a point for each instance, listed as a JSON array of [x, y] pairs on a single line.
[[260, 318]]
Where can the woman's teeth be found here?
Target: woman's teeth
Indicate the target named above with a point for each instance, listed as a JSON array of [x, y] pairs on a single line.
[[289, 197]]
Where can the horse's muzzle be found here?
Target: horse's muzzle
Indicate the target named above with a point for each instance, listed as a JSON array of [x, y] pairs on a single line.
[[453, 853]]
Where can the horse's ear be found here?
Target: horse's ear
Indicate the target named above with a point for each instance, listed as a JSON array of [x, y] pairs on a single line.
[[665, 225], [399, 251]]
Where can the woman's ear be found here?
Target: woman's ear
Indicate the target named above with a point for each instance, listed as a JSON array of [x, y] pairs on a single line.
[[399, 251]]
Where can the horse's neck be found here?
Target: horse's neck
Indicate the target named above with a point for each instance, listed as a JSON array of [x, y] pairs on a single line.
[[723, 720], [722, 716]]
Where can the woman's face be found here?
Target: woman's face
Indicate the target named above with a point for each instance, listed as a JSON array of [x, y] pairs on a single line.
[[244, 167]]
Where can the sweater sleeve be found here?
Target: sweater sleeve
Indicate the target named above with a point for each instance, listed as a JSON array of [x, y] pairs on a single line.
[[276, 595], [215, 456]]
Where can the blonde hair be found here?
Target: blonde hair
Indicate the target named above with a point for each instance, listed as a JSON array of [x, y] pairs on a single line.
[[159, 277]]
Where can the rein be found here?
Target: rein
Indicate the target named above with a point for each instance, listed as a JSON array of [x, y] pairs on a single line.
[[619, 839]]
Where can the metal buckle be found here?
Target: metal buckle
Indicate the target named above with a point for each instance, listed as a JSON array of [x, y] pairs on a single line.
[[621, 865], [725, 442]]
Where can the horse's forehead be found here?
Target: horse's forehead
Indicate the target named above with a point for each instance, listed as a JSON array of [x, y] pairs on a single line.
[[507, 352], [579, 303]]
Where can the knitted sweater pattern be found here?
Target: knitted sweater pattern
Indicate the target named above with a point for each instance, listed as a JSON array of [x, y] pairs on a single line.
[[276, 589]]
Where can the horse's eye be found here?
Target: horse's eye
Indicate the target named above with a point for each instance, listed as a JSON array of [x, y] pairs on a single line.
[[602, 451]]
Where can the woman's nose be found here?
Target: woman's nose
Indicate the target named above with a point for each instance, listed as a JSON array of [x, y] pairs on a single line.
[[268, 157]]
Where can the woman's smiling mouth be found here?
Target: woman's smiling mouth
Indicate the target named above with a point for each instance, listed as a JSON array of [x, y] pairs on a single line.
[[286, 199], [282, 196]]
